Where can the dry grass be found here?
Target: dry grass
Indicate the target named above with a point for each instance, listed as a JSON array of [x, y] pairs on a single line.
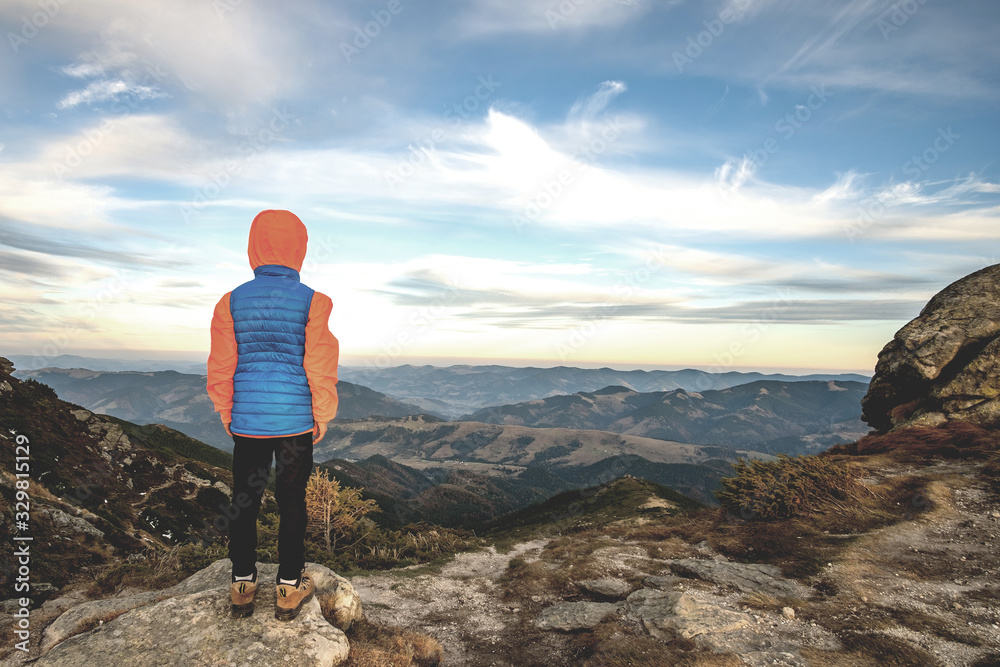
[[791, 486], [800, 545], [671, 547], [522, 579], [153, 569], [97, 621], [611, 645], [887, 651], [870, 649], [567, 560], [376, 645], [991, 472], [765, 602], [949, 440]]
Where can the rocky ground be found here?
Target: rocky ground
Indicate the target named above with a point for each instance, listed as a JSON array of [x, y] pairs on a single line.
[[461, 606], [920, 592]]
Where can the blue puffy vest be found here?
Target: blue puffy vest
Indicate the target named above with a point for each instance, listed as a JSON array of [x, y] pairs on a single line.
[[271, 395]]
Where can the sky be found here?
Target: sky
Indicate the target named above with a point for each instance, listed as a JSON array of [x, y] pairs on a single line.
[[725, 185]]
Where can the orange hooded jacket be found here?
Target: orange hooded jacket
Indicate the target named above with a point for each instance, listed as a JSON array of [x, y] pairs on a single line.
[[277, 237]]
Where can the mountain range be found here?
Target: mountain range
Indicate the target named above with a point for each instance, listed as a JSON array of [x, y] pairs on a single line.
[[507, 454], [491, 459], [35, 361], [461, 389], [180, 400], [766, 415]]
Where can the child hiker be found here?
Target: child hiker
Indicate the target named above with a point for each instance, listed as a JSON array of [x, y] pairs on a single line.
[[272, 376]]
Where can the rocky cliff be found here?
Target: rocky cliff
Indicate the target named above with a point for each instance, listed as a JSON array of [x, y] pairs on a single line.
[[945, 364]]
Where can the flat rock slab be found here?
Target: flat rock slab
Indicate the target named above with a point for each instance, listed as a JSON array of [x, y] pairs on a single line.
[[212, 583], [569, 616], [744, 577], [198, 630], [666, 615]]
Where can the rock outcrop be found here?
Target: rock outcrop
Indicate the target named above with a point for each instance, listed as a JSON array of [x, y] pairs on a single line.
[[666, 615], [945, 364], [568, 616], [190, 624], [606, 587], [744, 577]]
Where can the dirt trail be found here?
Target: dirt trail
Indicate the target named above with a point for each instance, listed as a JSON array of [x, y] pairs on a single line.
[[932, 581]]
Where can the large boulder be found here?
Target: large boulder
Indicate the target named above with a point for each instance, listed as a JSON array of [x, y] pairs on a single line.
[[945, 364], [190, 624]]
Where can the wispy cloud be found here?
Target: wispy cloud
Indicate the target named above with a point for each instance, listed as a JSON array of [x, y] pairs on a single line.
[[483, 17], [109, 90], [586, 111], [61, 243], [189, 49]]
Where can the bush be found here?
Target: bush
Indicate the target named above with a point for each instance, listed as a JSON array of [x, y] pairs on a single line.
[[790, 486]]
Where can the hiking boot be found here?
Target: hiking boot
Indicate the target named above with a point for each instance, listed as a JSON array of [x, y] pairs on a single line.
[[242, 594], [290, 598]]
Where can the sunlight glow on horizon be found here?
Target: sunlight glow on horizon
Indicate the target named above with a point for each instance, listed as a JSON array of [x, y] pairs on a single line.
[[481, 183]]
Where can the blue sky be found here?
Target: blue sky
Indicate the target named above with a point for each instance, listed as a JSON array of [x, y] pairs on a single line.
[[724, 185]]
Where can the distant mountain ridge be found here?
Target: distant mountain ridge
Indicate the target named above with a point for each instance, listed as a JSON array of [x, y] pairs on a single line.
[[457, 390], [446, 497], [180, 400], [767, 415], [34, 361], [511, 455]]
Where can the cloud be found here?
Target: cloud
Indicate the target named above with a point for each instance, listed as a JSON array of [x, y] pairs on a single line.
[[68, 244], [483, 17], [841, 45], [109, 90], [824, 41], [174, 283], [517, 295], [506, 170], [136, 145], [734, 174], [193, 50], [586, 111], [818, 311], [846, 187], [21, 264]]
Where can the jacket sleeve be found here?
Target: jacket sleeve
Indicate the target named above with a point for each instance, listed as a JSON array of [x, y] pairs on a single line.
[[222, 360], [321, 358]]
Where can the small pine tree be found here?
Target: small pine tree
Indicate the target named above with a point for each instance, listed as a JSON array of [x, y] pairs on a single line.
[[333, 512]]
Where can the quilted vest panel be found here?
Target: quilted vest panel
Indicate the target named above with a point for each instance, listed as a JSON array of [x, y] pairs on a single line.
[[271, 395]]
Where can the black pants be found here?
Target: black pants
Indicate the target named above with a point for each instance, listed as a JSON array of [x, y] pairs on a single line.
[[293, 457]]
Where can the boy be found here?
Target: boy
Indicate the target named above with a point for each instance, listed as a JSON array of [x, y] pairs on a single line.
[[272, 376]]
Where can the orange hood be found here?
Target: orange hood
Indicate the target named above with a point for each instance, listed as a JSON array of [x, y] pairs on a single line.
[[277, 237]]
